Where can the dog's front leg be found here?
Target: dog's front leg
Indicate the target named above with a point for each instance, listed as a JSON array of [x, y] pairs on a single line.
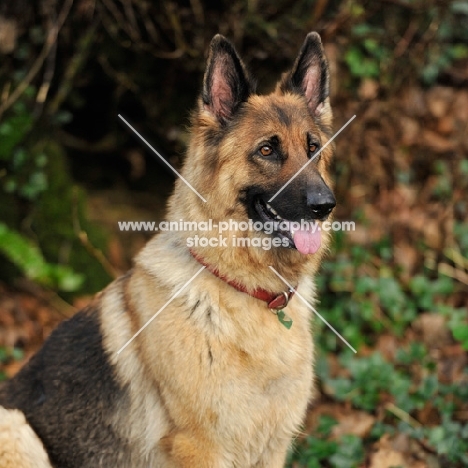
[[188, 451], [20, 447], [275, 455]]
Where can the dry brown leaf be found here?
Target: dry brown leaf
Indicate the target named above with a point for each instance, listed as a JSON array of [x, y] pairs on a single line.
[[439, 100], [357, 423], [436, 142], [433, 330], [388, 345], [410, 130], [460, 106], [405, 256], [446, 125], [413, 102], [386, 456], [369, 89]]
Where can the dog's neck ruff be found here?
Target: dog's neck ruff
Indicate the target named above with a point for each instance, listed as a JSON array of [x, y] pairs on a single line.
[[274, 301]]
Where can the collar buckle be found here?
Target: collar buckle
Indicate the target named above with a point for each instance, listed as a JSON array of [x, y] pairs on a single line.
[[281, 300]]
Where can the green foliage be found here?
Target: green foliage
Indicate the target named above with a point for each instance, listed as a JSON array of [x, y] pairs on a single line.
[[438, 38], [451, 440], [23, 172], [451, 41], [14, 130], [37, 191], [460, 230], [345, 452], [360, 65], [460, 333], [28, 258], [349, 454], [38, 199], [443, 189], [7, 355], [373, 380], [364, 302], [370, 378], [56, 214], [369, 305], [458, 323], [366, 55]]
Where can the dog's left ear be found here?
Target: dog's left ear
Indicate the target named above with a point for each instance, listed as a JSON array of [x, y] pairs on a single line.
[[309, 75], [226, 82]]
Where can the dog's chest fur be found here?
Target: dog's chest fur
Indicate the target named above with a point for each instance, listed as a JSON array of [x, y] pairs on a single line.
[[233, 373]]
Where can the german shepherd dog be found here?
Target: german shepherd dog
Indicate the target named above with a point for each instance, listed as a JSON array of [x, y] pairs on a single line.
[[215, 380]]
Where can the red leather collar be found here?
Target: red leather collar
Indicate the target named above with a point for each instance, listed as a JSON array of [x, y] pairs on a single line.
[[274, 300]]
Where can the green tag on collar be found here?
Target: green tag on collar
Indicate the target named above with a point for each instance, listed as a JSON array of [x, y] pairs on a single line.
[[284, 319]]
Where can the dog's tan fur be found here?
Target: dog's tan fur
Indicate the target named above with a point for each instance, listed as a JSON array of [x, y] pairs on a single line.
[[19, 445], [215, 380]]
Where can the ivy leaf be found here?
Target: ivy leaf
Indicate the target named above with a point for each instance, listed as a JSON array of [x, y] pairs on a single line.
[[28, 258], [460, 333]]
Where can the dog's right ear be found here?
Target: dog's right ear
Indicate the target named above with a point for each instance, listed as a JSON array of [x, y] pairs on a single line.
[[226, 82]]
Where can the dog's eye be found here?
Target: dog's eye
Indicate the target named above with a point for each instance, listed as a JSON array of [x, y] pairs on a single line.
[[313, 147], [266, 150]]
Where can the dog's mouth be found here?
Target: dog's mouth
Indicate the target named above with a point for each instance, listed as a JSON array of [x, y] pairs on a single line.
[[304, 237]]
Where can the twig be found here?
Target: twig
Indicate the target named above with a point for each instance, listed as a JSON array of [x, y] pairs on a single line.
[[73, 67], [130, 13], [456, 257], [252, 6], [110, 27], [33, 71], [84, 239], [106, 144], [62, 307], [410, 6], [403, 415], [319, 9], [5, 91], [179, 38], [197, 8], [48, 76], [37, 65], [48, 295], [452, 272], [120, 77], [405, 41], [145, 17], [118, 17], [97, 254]]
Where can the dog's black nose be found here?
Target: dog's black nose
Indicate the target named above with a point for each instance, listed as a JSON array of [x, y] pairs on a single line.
[[320, 201]]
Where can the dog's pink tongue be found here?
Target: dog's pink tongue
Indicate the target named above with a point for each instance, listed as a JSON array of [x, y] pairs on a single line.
[[307, 242]]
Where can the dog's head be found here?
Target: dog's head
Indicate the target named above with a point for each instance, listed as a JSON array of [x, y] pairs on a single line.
[[260, 157]]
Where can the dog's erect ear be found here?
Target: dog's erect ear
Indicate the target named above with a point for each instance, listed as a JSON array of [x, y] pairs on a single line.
[[226, 83], [309, 75]]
